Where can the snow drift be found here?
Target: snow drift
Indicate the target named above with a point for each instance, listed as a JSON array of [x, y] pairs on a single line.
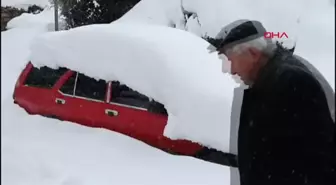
[[14, 48], [166, 13], [169, 65], [43, 19]]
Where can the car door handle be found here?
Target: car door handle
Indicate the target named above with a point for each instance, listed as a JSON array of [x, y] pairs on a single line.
[[60, 101], [111, 113]]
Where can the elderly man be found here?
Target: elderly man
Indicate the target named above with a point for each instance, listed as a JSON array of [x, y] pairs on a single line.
[[286, 130]]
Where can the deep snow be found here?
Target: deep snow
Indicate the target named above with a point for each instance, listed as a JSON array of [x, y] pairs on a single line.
[[41, 151], [27, 27]]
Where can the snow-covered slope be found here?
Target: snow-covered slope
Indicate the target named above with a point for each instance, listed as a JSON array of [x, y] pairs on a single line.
[[41, 151]]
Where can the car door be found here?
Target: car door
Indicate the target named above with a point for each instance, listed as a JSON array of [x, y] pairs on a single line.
[[132, 117], [82, 99], [143, 118], [36, 92]]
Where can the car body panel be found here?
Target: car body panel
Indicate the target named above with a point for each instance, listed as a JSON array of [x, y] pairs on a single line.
[[131, 121]]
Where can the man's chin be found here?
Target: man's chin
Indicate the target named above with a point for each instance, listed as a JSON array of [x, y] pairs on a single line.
[[240, 81]]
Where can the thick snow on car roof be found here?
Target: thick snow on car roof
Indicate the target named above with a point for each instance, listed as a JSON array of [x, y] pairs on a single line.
[[170, 65]]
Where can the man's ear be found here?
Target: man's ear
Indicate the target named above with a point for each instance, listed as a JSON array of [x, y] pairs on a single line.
[[221, 51], [255, 53]]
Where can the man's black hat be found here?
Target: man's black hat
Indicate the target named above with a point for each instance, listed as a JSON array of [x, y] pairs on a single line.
[[236, 33]]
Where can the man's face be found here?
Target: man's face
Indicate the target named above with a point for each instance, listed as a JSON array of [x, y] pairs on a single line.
[[243, 63]]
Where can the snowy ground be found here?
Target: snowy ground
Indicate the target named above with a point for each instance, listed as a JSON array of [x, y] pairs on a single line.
[[40, 151]]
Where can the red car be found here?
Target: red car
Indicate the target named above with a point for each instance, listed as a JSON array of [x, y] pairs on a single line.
[[68, 95]]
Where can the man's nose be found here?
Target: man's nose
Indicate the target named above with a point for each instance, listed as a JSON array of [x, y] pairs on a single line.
[[233, 71]]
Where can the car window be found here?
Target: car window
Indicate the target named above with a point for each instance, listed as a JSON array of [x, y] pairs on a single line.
[[156, 107], [90, 88], [44, 77], [122, 94], [81, 85], [69, 85]]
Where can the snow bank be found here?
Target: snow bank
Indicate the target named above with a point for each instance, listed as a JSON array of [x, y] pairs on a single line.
[[159, 12], [170, 65], [15, 44], [43, 19]]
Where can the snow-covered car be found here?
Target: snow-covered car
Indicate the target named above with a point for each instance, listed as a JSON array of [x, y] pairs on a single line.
[[68, 95]]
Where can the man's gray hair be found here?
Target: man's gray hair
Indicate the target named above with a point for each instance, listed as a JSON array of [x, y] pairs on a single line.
[[267, 46]]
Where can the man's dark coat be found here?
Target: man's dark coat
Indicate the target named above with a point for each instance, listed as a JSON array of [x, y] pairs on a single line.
[[286, 134]]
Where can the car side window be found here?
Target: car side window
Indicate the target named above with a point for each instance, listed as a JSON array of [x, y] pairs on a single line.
[[69, 85], [44, 77], [122, 94], [156, 107], [88, 87], [83, 86]]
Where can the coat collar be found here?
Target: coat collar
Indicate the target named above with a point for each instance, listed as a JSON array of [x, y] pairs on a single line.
[[280, 55]]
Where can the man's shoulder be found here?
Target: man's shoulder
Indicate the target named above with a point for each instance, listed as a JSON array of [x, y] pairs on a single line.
[[286, 62], [293, 71]]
